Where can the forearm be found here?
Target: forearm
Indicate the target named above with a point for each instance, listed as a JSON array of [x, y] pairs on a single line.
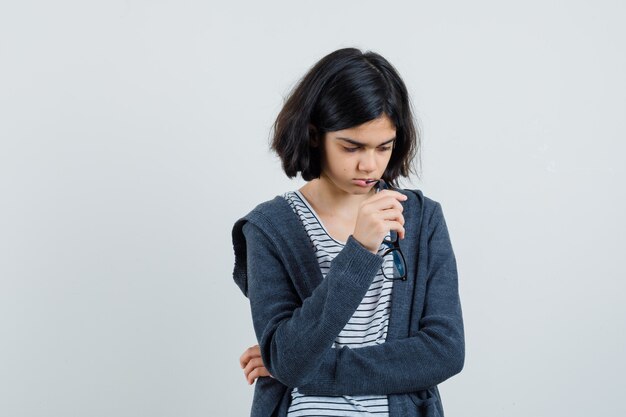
[[394, 367], [430, 355], [293, 335]]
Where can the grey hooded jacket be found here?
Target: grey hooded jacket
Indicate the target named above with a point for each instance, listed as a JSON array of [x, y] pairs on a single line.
[[297, 314]]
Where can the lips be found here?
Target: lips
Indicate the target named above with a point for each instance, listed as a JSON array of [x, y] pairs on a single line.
[[364, 182]]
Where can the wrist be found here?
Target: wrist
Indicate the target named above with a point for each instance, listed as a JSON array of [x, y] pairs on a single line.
[[374, 251]]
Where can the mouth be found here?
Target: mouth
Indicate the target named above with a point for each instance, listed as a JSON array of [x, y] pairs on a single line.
[[365, 182]]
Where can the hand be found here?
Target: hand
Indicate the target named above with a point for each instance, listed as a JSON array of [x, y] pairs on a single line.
[[252, 364], [378, 215]]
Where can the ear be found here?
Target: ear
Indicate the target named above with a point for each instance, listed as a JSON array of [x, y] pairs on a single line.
[[314, 140]]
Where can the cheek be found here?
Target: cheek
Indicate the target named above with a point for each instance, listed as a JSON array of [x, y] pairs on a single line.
[[339, 162], [384, 160], [384, 157], [333, 163]]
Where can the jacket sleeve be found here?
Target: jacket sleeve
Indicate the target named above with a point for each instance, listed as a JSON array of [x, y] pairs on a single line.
[[294, 336], [433, 354]]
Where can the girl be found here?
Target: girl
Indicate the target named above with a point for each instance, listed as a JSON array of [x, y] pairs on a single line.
[[352, 282]]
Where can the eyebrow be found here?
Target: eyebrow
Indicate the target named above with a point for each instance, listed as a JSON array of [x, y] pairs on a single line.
[[357, 143]]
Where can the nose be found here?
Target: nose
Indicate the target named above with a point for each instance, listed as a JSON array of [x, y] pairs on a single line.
[[367, 162]]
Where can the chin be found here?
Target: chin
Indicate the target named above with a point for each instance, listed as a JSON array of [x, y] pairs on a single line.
[[356, 190]]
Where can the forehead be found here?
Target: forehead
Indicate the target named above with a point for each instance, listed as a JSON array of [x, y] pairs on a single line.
[[374, 131]]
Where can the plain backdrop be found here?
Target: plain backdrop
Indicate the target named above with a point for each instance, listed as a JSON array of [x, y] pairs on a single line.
[[134, 133]]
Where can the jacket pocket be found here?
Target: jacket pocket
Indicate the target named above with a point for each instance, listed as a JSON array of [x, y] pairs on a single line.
[[426, 401]]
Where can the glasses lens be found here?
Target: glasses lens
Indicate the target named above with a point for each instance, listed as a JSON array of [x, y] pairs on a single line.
[[398, 271]]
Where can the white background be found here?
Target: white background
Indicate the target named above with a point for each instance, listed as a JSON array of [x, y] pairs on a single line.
[[134, 133]]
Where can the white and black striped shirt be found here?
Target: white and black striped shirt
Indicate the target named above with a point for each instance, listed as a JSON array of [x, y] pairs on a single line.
[[367, 326]]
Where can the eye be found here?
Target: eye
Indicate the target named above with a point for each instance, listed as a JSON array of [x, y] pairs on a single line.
[[385, 148], [350, 149]]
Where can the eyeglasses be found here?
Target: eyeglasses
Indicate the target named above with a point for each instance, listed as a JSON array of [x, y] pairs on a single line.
[[392, 242]]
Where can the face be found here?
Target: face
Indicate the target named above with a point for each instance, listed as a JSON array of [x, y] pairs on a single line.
[[352, 156]]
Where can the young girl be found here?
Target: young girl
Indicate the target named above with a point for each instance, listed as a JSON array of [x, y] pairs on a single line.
[[352, 283]]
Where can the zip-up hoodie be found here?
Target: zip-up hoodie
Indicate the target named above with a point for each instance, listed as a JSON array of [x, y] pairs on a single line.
[[297, 314]]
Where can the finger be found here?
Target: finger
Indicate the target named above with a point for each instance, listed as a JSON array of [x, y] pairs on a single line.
[[389, 204], [392, 214], [395, 195], [257, 373], [252, 365], [388, 200], [397, 227], [262, 371], [244, 358], [253, 376], [251, 352], [383, 205]]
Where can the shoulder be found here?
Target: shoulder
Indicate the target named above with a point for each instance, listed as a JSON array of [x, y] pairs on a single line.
[[274, 208], [417, 201], [264, 216], [262, 225], [275, 218], [424, 212]]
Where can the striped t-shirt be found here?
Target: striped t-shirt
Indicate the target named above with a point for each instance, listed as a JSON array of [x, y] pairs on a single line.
[[367, 326]]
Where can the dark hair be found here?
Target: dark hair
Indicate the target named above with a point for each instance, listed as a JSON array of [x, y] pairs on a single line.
[[344, 89]]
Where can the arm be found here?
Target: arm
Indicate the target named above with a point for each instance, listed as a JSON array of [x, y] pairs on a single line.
[[293, 335], [432, 355]]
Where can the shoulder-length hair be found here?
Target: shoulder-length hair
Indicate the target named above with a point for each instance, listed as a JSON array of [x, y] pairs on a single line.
[[344, 89]]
